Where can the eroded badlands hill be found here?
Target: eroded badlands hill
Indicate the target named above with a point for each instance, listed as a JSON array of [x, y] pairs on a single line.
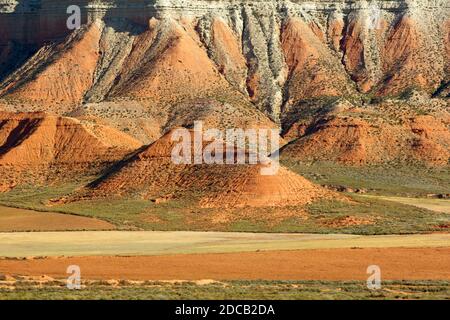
[[36, 148], [395, 132], [269, 53], [140, 68], [151, 174]]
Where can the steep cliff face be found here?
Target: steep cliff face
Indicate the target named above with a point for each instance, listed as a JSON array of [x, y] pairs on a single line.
[[357, 82], [57, 77], [314, 70], [272, 52], [145, 67]]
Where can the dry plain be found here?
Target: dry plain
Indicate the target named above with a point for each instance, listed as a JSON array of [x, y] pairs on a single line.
[[314, 264], [31, 260]]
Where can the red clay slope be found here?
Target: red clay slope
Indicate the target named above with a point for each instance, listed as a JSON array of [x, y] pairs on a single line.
[[359, 137], [314, 70], [36, 147], [151, 174], [57, 77]]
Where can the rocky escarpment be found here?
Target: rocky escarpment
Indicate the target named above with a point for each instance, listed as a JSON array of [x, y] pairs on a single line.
[[356, 82], [270, 53]]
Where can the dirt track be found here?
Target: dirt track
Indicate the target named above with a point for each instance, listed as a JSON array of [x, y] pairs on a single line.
[[317, 264]]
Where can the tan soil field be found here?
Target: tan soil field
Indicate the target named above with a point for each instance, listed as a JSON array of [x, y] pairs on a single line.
[[12, 219], [321, 264], [146, 243]]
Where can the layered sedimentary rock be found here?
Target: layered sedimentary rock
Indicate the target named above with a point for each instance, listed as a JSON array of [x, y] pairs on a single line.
[[360, 136], [273, 53], [314, 70], [151, 174], [144, 67], [36, 148], [57, 77]]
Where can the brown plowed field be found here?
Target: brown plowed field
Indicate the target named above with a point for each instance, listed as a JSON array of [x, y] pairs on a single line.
[[12, 219], [317, 264]]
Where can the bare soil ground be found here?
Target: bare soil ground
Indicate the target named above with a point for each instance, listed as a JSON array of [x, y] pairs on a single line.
[[12, 219], [319, 264], [156, 243]]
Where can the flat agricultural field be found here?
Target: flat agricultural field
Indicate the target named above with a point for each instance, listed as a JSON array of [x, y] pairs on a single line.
[[132, 243], [129, 265], [13, 219], [438, 205], [315, 264]]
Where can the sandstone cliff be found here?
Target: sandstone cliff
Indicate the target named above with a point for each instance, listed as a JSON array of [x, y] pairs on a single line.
[[144, 67], [274, 53]]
